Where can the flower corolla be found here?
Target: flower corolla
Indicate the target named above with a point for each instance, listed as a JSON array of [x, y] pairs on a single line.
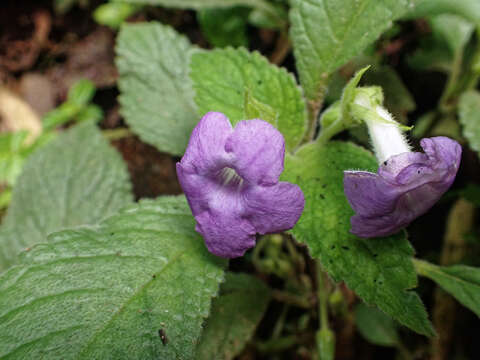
[[230, 177], [406, 185]]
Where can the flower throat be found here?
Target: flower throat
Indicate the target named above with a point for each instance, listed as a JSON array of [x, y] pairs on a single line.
[[230, 178]]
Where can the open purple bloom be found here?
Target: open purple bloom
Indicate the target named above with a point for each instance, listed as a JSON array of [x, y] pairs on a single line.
[[230, 178], [405, 187]]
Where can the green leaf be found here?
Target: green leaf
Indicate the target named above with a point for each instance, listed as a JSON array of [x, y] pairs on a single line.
[[469, 114], [375, 326], [432, 55], [460, 281], [471, 193], [328, 33], [200, 4], [113, 14], [469, 9], [450, 34], [255, 109], [13, 152], [60, 115], [75, 179], [269, 18], [224, 27], [156, 92], [90, 113], [222, 77], [234, 316], [349, 93], [5, 198], [379, 270], [112, 291], [454, 29]]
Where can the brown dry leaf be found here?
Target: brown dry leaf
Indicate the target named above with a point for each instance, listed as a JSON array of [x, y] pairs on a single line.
[[38, 92], [16, 114]]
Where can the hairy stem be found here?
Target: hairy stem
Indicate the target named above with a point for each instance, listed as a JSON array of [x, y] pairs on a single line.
[[326, 134]]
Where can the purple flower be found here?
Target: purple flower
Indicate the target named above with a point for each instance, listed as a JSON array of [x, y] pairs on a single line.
[[230, 178], [405, 187]]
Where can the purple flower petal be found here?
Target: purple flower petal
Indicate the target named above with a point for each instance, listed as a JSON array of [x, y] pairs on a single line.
[[405, 187], [226, 232], [206, 148], [258, 151], [230, 179], [196, 188], [274, 208]]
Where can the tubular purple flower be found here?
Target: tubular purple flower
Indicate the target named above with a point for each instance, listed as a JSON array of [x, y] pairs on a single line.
[[230, 178], [407, 183]]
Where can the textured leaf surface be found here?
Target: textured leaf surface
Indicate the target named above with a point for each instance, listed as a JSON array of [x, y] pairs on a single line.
[[76, 179], [156, 91], [222, 77], [379, 270], [469, 113], [234, 316], [460, 281], [328, 33], [109, 292], [375, 326]]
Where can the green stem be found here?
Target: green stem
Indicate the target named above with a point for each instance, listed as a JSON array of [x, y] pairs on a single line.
[[326, 134], [422, 267], [313, 112], [117, 134], [452, 81], [322, 294], [322, 299], [277, 330], [475, 66], [325, 337]]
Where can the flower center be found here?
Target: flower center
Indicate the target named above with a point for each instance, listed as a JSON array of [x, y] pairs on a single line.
[[230, 178]]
